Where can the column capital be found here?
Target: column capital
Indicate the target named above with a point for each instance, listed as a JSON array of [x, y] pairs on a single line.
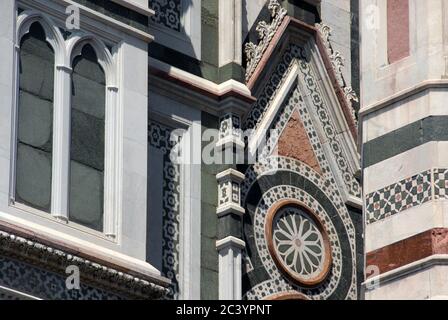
[[230, 242], [230, 174]]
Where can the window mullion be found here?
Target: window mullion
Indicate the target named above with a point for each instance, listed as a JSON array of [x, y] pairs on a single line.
[[61, 143], [111, 159], [15, 123]]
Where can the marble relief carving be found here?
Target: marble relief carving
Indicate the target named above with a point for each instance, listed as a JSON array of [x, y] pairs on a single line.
[[277, 282], [337, 61], [266, 31], [307, 101]]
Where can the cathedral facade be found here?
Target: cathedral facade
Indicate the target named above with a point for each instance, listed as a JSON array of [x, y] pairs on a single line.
[[222, 149]]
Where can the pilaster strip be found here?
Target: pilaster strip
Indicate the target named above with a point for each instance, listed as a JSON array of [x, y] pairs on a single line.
[[230, 241], [230, 244]]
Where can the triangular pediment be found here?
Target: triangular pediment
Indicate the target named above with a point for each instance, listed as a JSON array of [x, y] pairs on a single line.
[[301, 65], [294, 143]]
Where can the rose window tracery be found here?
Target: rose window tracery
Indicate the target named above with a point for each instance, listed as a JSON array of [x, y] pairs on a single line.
[[298, 243]]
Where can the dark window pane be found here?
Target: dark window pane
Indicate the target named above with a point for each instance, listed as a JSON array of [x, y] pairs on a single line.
[[87, 141], [35, 121]]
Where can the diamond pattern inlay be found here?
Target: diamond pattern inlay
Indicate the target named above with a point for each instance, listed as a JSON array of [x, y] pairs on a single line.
[[406, 194]]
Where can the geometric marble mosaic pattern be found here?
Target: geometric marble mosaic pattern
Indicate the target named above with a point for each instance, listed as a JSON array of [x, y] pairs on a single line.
[[323, 114], [167, 13], [406, 194], [7, 296], [440, 183], [160, 138], [45, 284], [293, 103]]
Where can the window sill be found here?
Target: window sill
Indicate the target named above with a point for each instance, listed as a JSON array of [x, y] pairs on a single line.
[[69, 224]]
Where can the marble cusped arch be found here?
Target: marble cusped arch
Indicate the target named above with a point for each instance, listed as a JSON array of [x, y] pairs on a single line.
[[67, 45], [76, 43], [53, 35], [67, 49]]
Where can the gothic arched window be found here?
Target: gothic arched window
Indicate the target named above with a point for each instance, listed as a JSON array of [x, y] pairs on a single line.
[[86, 199], [35, 120]]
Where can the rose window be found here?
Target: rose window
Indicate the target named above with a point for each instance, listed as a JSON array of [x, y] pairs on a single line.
[[298, 243]]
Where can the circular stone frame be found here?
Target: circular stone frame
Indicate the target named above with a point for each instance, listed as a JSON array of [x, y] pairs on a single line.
[[272, 212]]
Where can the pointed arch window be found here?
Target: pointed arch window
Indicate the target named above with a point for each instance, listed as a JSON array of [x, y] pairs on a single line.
[[35, 120], [68, 134], [87, 140]]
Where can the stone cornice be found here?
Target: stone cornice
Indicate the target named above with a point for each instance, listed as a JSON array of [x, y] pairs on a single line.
[[230, 174], [405, 271], [204, 94], [230, 241], [23, 246], [404, 94], [92, 25]]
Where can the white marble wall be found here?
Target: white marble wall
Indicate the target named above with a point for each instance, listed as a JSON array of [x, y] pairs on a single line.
[[336, 14], [428, 102], [7, 31], [380, 80], [406, 224], [405, 165], [393, 96], [135, 142]]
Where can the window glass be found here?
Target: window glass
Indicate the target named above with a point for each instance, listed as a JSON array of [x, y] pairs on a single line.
[[87, 141], [35, 120]]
